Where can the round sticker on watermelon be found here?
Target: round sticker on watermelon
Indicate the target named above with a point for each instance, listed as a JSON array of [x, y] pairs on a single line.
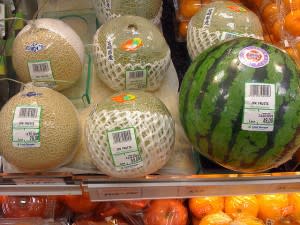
[[254, 56], [239, 105]]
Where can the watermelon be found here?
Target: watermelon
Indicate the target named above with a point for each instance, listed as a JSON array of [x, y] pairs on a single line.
[[240, 105]]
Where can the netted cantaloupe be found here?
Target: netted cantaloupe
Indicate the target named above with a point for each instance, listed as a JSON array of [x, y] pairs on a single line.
[[220, 21], [131, 53], [109, 9], [130, 134], [48, 52], [39, 129]]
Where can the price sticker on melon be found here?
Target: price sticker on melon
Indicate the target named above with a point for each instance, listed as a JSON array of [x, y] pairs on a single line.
[[26, 126], [136, 79], [259, 107], [41, 73], [124, 149]]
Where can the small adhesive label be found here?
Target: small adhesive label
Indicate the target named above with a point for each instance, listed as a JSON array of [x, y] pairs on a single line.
[[208, 17], [41, 73], [26, 126], [123, 97], [132, 45], [136, 79], [259, 107], [35, 47], [124, 149], [110, 49], [254, 57]]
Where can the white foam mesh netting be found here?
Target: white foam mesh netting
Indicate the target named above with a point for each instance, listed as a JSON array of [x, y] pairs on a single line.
[[113, 74], [200, 39], [155, 135], [148, 10]]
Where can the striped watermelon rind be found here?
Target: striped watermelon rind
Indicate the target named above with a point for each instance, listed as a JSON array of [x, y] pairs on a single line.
[[211, 105]]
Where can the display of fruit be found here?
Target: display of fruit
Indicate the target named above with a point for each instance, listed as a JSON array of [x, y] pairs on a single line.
[[274, 207], [43, 52], [220, 21], [130, 134], [218, 218], [24, 206], [244, 204], [80, 203], [149, 9], [217, 91], [39, 129], [168, 211], [202, 206], [131, 53]]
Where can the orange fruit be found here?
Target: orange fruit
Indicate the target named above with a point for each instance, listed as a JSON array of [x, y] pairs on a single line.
[[270, 13], [292, 52], [195, 220], [80, 203], [291, 5], [294, 199], [166, 211], [247, 204], [276, 30], [246, 219], [189, 8], [292, 23], [219, 218], [182, 28], [273, 207], [201, 206]]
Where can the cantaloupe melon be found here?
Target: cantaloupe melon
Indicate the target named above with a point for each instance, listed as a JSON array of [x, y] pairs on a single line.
[[109, 9], [220, 21], [54, 139], [130, 134], [46, 50], [131, 53]]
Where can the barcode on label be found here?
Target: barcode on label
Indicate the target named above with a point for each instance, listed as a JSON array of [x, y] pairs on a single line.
[[40, 67], [136, 74], [260, 90], [28, 112], [120, 137], [226, 35]]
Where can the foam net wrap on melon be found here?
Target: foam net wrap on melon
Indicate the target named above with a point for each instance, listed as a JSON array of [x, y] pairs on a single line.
[[154, 131], [150, 9], [113, 74], [200, 39]]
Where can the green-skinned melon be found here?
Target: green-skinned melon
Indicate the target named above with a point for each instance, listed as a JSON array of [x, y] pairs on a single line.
[[130, 53], [107, 10], [235, 130], [221, 21], [130, 134]]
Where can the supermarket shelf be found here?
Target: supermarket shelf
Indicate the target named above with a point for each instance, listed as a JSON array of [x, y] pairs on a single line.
[[102, 188]]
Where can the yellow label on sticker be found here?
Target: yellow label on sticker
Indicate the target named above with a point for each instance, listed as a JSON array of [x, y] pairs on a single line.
[[123, 98], [132, 44], [236, 8]]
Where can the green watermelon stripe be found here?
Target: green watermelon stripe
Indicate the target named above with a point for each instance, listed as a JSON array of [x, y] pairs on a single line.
[[186, 83], [262, 140], [289, 111], [229, 109], [197, 84], [248, 138]]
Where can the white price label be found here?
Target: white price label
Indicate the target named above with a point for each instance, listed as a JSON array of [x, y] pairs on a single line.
[[228, 35], [41, 72], [136, 79], [109, 49], [208, 17], [2, 22], [26, 127], [124, 149], [259, 108], [119, 193]]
